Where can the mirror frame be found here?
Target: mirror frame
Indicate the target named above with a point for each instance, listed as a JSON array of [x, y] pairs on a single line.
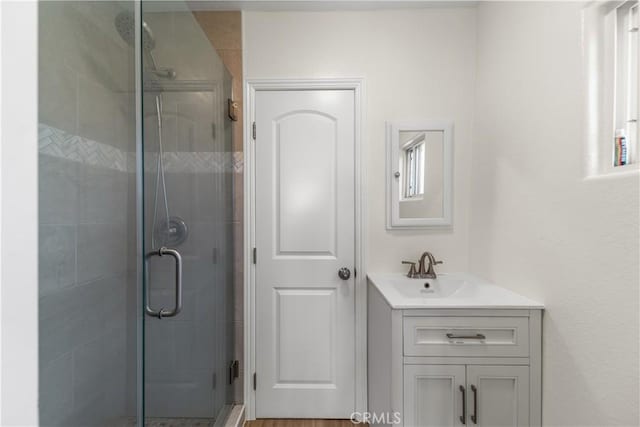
[[393, 130]]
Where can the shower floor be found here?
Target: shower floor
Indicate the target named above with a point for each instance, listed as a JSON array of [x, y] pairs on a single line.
[[175, 422], [227, 412], [179, 422]]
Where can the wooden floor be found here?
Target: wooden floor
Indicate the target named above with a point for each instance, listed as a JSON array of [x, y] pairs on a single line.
[[300, 423]]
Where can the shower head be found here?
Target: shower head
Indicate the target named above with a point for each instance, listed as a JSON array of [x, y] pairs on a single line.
[[125, 24]]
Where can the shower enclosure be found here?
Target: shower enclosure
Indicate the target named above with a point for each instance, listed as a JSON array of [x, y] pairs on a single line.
[[135, 213]]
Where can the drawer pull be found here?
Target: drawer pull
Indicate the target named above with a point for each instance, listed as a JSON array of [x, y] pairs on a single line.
[[463, 417], [466, 337]]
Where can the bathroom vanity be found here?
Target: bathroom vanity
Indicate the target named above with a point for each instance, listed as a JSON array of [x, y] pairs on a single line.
[[452, 351]]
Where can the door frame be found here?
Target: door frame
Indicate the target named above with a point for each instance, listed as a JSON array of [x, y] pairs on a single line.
[[251, 87]]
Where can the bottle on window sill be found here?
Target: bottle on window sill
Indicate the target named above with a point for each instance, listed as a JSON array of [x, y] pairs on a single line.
[[621, 151]]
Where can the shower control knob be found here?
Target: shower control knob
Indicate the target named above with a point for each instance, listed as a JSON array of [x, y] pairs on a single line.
[[344, 273]]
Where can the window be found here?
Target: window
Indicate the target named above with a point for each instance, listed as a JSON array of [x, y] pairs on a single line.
[[611, 51], [414, 165], [627, 75]]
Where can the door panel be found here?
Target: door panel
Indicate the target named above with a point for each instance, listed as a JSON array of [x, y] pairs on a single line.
[[502, 395], [188, 205], [432, 395], [304, 234], [317, 306], [305, 192]]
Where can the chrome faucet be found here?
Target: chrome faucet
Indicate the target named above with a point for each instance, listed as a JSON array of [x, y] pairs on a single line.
[[429, 273]]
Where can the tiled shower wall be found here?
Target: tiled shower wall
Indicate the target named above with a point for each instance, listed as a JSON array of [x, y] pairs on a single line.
[[86, 115], [224, 30]]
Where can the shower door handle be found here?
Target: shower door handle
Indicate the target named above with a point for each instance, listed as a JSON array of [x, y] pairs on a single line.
[[178, 284]]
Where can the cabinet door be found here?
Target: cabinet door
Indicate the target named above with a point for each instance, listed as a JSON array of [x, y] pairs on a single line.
[[433, 395], [498, 396]]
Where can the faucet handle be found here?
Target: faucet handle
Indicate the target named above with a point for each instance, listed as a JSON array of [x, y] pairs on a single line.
[[412, 270]]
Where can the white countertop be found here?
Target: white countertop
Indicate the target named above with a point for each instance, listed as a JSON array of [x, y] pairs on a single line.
[[449, 290]]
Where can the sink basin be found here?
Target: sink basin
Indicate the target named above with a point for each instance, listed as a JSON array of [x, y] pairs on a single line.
[[449, 290], [442, 287]]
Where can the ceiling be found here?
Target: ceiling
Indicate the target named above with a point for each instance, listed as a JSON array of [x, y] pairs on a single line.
[[319, 5]]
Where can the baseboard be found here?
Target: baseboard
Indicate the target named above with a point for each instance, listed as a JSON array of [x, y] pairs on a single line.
[[236, 416]]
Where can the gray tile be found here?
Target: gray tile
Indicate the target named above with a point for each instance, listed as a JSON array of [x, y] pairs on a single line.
[[126, 122], [102, 195], [161, 277], [99, 373], [101, 251], [158, 360], [97, 109], [201, 243], [70, 318], [58, 190], [205, 196], [57, 94], [181, 191], [55, 390], [89, 321], [89, 373], [196, 126], [57, 257]]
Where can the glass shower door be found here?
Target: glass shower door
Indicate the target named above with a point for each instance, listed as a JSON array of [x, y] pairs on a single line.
[[187, 216], [89, 311]]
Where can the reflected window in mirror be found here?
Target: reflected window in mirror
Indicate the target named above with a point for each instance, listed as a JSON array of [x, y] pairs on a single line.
[[419, 165], [414, 167]]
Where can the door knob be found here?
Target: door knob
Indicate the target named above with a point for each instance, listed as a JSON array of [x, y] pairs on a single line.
[[344, 273]]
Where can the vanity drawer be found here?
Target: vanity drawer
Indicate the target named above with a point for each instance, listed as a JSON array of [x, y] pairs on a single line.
[[466, 336]]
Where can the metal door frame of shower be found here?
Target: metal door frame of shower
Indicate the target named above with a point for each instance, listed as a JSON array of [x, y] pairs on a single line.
[[140, 295], [357, 85]]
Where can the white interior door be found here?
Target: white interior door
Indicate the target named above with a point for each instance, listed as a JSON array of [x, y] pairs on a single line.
[[305, 233]]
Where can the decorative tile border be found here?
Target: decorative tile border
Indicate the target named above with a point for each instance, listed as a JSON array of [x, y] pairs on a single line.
[[58, 143]]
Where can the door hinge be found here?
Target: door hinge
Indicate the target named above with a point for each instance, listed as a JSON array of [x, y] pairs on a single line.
[[255, 380], [232, 110], [234, 370], [253, 130], [255, 255]]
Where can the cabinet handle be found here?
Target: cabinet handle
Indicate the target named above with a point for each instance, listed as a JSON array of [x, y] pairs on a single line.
[[463, 417], [474, 416], [466, 337]]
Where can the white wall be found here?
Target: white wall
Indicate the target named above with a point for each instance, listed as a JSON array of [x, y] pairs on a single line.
[[531, 222], [418, 64], [19, 258], [538, 227]]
